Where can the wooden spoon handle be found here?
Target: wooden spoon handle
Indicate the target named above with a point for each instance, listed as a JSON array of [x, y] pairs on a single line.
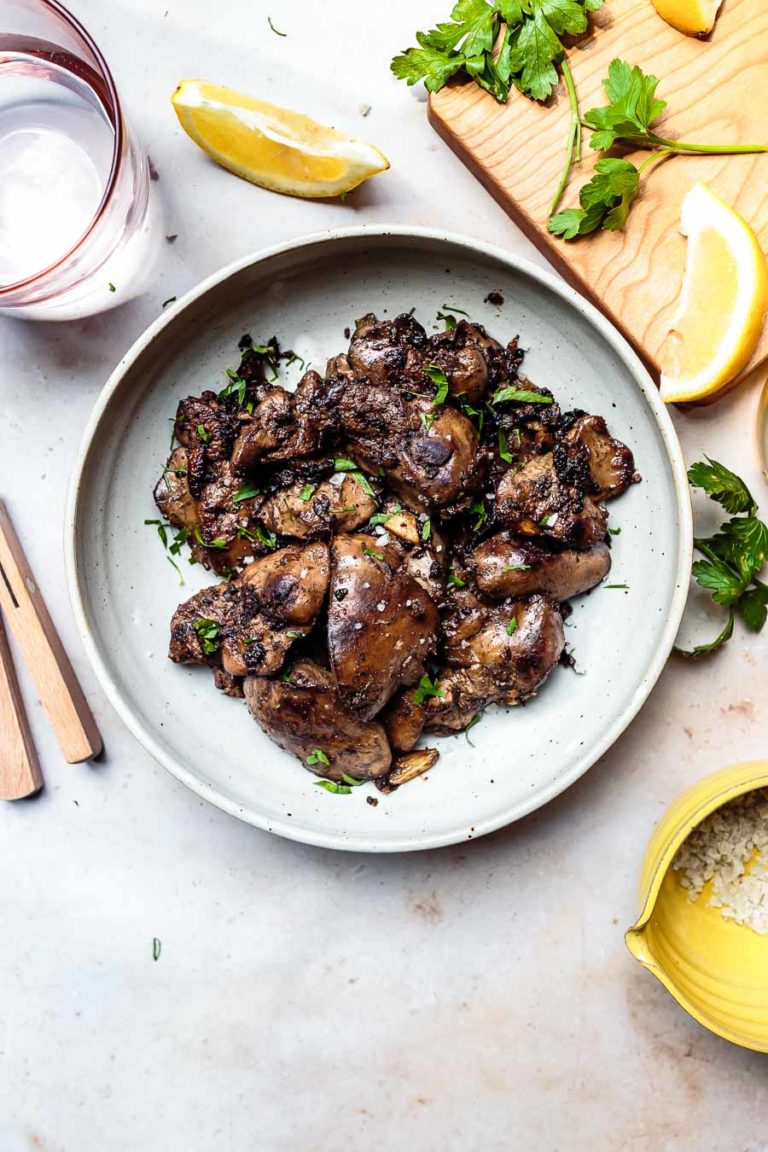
[[43, 652], [20, 774]]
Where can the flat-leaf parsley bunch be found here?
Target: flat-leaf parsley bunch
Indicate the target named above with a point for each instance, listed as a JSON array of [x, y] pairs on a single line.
[[626, 120], [527, 56], [734, 556]]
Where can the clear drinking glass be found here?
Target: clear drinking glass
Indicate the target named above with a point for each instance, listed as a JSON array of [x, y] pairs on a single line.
[[79, 223]]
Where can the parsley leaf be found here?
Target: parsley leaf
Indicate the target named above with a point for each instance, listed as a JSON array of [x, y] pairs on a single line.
[[734, 556], [317, 756], [440, 380], [332, 786], [520, 396], [208, 632], [632, 109], [247, 492], [605, 200], [722, 485], [307, 491], [426, 688]]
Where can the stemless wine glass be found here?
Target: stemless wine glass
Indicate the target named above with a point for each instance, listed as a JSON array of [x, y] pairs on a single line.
[[79, 223]]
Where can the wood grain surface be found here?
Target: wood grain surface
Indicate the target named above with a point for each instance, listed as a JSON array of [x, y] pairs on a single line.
[[25, 611], [20, 774], [717, 92]]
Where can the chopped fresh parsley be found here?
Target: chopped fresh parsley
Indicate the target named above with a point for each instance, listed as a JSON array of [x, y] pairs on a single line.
[[208, 633], [448, 319], [516, 568], [504, 451], [216, 544], [440, 380], [365, 484], [382, 517], [427, 419], [475, 720], [374, 555], [520, 396], [307, 492], [268, 539], [479, 510], [512, 626], [236, 387], [344, 464], [352, 781], [426, 688], [426, 529], [275, 30], [614, 531], [624, 586], [247, 492], [332, 786], [317, 756], [157, 947], [455, 579], [203, 433]]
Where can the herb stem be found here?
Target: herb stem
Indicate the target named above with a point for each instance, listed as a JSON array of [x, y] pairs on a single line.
[[705, 149], [646, 139], [573, 145], [653, 158]]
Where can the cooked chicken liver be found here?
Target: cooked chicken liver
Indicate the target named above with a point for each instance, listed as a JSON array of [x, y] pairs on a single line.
[[397, 534]]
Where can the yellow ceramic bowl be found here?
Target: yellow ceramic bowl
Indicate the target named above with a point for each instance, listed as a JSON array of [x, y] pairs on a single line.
[[716, 969]]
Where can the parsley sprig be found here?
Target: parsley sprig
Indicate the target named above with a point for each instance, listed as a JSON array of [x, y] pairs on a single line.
[[628, 118], [525, 55], [734, 556]]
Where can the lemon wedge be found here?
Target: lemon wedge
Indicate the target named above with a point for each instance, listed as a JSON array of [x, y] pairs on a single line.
[[271, 146], [722, 302], [694, 17]]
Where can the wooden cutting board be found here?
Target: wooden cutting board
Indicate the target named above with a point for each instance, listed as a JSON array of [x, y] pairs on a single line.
[[716, 91]]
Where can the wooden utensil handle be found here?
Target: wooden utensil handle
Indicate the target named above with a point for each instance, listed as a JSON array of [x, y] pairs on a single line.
[[43, 652], [20, 774]]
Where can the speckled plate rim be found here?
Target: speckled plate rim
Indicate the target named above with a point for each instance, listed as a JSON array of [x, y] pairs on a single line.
[[474, 248]]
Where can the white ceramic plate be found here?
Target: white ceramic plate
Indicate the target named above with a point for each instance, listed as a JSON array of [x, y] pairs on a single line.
[[306, 293]]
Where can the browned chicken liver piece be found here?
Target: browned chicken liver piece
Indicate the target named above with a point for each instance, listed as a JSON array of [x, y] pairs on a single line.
[[534, 501], [229, 685], [339, 504], [471, 360], [611, 464], [429, 455], [403, 720], [305, 713], [284, 425], [258, 617], [505, 566], [508, 650], [236, 637], [226, 538], [210, 604], [457, 705], [382, 625], [387, 351], [172, 494], [423, 559], [206, 426]]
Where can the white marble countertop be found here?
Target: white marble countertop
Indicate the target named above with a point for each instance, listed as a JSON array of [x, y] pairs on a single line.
[[479, 997]]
